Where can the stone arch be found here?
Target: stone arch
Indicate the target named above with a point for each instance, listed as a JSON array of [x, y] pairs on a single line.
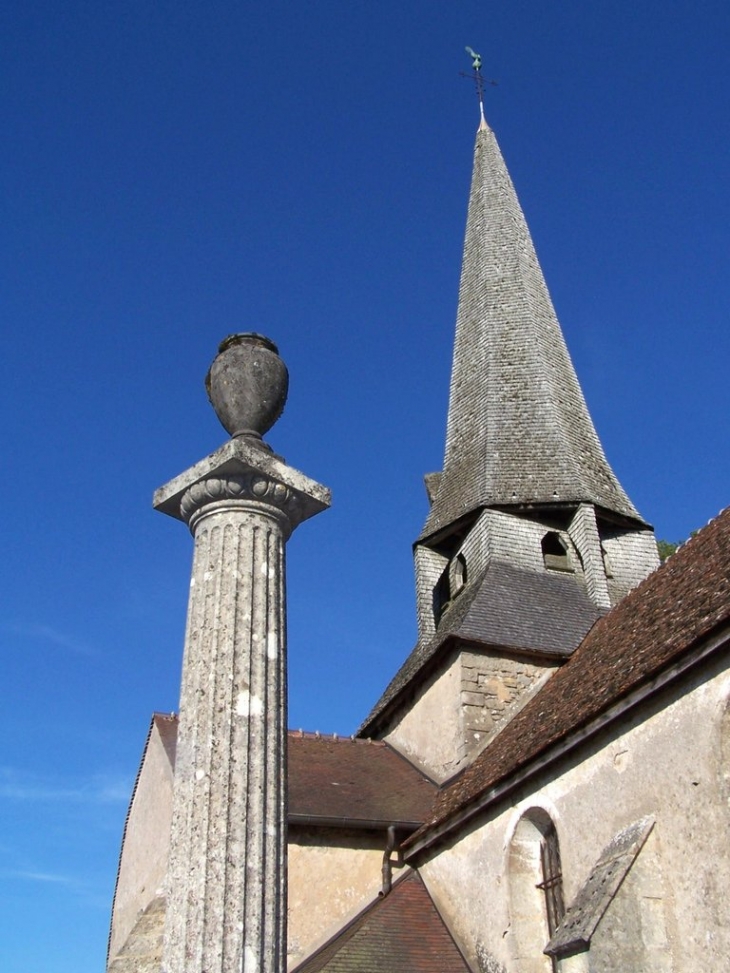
[[528, 905]]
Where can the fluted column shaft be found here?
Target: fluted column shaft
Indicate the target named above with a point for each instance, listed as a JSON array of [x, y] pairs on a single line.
[[226, 876], [226, 908]]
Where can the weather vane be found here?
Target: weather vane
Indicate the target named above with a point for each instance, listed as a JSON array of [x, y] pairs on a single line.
[[477, 77]]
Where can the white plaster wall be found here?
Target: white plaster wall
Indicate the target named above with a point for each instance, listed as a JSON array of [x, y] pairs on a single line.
[[430, 732], [330, 882], [146, 845], [669, 765]]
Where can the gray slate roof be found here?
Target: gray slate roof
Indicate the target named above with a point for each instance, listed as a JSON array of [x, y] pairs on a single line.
[[508, 608], [518, 427]]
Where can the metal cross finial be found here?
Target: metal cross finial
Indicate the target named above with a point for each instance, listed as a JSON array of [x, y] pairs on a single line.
[[477, 78]]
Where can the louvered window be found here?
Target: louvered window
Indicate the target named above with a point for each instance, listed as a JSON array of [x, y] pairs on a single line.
[[552, 881], [555, 552]]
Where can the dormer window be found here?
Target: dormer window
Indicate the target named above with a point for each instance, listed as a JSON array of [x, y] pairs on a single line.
[[449, 585], [441, 596], [555, 554], [457, 575]]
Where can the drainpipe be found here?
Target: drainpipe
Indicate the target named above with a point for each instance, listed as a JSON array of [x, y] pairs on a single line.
[[388, 862]]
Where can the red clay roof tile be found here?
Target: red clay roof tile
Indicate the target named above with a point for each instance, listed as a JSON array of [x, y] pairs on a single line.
[[400, 933], [342, 781], [360, 781]]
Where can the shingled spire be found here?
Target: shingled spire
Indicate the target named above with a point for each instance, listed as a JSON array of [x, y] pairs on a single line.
[[530, 537], [518, 428]]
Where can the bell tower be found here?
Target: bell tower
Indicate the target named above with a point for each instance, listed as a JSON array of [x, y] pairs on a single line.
[[529, 536]]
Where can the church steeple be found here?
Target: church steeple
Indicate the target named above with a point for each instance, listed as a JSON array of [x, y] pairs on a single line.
[[530, 537], [518, 428]]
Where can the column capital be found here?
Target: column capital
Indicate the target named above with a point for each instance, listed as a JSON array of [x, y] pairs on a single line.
[[245, 472]]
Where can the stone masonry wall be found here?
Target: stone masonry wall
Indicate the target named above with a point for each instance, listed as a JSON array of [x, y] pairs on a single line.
[[493, 688], [469, 699]]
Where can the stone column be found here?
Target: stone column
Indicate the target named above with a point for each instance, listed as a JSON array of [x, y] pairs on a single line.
[[226, 886]]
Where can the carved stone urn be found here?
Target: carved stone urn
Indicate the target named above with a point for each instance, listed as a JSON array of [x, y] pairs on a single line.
[[247, 384]]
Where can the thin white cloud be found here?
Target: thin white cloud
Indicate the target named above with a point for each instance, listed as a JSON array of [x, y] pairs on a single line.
[[49, 635], [16, 785], [44, 877], [85, 888]]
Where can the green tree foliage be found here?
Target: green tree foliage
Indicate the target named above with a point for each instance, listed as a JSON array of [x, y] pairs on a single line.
[[665, 549]]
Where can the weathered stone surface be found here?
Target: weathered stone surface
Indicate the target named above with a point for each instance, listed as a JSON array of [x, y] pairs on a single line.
[[226, 883], [251, 460], [594, 898], [470, 698], [347, 864], [666, 760], [247, 384], [142, 951], [145, 849]]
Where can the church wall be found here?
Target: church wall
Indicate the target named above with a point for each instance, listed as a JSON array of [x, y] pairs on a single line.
[[469, 700], [333, 875], [146, 845], [493, 687], [429, 733], [633, 933], [666, 762]]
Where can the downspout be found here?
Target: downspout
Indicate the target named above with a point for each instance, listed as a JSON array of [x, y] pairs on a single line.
[[388, 862]]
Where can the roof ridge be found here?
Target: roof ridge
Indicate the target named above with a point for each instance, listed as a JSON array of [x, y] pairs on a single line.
[[345, 932], [693, 535], [333, 737]]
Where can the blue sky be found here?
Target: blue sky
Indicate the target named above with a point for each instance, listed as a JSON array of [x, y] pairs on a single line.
[[175, 172]]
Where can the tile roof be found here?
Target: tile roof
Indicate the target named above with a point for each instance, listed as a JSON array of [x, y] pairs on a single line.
[[680, 604], [507, 607], [400, 933], [518, 427], [362, 782], [341, 781]]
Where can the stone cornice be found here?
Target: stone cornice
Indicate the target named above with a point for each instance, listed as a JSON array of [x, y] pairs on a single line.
[[242, 471], [246, 489]]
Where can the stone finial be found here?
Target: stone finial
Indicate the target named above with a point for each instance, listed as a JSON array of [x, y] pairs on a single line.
[[226, 879], [247, 384]]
